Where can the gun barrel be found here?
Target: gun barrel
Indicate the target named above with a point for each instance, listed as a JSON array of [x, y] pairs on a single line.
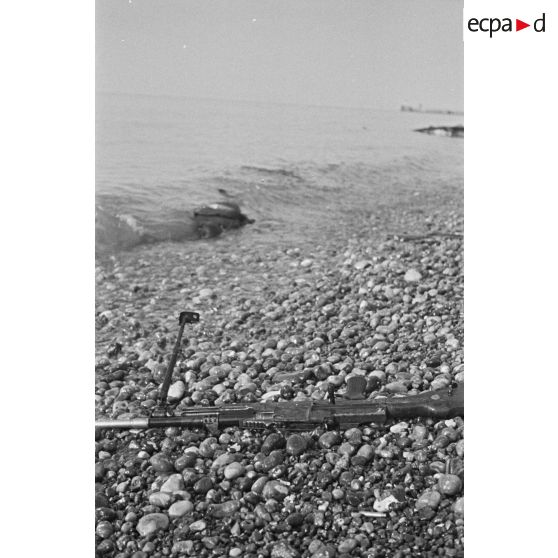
[[140, 422]]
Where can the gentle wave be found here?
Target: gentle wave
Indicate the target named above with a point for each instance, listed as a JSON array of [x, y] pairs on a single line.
[[286, 199]]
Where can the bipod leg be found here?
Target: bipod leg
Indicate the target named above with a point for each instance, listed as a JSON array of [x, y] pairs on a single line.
[[183, 319]]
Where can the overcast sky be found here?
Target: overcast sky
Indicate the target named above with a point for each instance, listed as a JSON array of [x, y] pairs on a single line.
[[375, 53]]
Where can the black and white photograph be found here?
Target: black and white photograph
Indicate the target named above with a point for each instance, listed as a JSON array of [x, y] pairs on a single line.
[[279, 279]]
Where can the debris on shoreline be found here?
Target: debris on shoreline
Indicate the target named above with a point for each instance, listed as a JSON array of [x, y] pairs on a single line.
[[212, 219]]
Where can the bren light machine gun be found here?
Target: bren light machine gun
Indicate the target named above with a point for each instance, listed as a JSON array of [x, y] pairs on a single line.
[[350, 410]]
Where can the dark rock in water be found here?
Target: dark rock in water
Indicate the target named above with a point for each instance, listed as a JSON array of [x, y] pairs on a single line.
[[211, 220], [449, 131]]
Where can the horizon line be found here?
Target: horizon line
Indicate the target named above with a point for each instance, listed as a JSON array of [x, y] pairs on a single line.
[[459, 112]]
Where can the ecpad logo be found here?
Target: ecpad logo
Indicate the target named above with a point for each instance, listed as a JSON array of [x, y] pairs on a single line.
[[493, 25]]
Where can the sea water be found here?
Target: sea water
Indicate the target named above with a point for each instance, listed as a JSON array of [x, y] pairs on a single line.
[[290, 167]]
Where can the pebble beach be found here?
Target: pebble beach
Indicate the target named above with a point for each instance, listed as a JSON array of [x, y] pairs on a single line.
[[380, 295]]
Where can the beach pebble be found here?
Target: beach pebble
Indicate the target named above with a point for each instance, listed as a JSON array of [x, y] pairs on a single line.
[[275, 489], [271, 461], [429, 338], [380, 375], [449, 484], [452, 343], [176, 391], [258, 486], [354, 436], [396, 387], [180, 508], [283, 550], [101, 501], [362, 264], [223, 460], [338, 493], [364, 454], [226, 509], [329, 439], [459, 506], [428, 499], [234, 470], [439, 383], [185, 461], [295, 520], [198, 526], [161, 463], [441, 442], [315, 546], [203, 485], [104, 529], [151, 523], [412, 276], [208, 446], [180, 548], [107, 514], [274, 441], [335, 381], [346, 546], [346, 449], [399, 428], [160, 499], [173, 484], [105, 547], [419, 432], [99, 471], [326, 551], [296, 444]]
